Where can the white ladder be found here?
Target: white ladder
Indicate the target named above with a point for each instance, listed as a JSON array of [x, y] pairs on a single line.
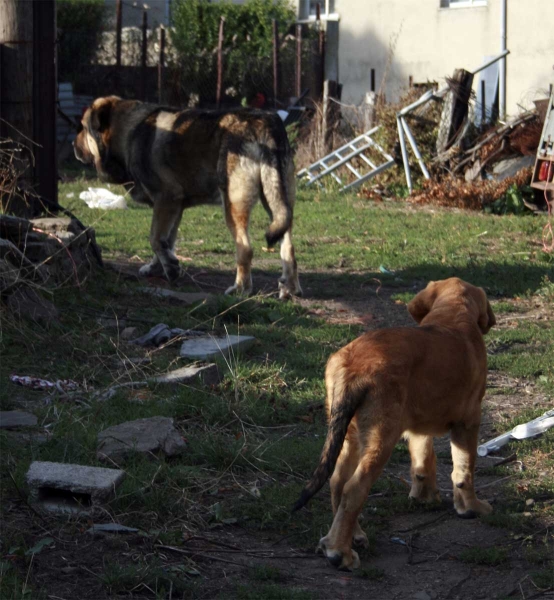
[[343, 156]]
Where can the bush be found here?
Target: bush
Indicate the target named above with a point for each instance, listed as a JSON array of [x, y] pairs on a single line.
[[248, 38], [80, 24]]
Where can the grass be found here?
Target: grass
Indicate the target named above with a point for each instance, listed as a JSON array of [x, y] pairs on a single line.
[[254, 439], [484, 556]]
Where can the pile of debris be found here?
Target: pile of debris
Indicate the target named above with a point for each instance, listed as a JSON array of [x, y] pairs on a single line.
[[39, 255]]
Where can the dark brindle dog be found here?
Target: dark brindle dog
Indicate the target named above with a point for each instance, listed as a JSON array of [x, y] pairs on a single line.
[[174, 159]]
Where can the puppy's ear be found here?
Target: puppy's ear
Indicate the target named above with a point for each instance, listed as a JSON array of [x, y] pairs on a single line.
[[486, 318], [421, 305], [101, 113]]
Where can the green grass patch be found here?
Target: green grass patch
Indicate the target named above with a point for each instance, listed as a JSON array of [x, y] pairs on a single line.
[[484, 556]]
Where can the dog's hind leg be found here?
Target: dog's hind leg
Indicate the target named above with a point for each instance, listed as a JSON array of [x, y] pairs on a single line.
[[239, 198], [424, 468], [464, 451], [288, 282], [376, 449], [163, 232]]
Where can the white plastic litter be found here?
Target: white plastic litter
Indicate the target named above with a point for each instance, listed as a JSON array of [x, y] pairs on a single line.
[[520, 432], [102, 198]]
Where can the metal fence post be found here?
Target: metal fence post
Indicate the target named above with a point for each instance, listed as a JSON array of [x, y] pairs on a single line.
[[220, 61], [275, 62], [161, 61], [298, 90], [118, 26], [144, 54]]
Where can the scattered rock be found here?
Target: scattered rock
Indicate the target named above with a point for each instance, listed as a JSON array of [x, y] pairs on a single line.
[[27, 303], [147, 436], [512, 166], [529, 502], [181, 297], [12, 419], [111, 528], [129, 333], [207, 374], [71, 489], [27, 438], [421, 596], [211, 347]]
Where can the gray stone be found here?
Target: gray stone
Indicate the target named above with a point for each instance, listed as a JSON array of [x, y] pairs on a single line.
[[148, 436], [212, 347], [182, 297], [511, 166], [10, 419], [55, 224], [29, 304], [129, 333], [421, 596], [207, 374], [66, 488], [27, 438], [111, 528]]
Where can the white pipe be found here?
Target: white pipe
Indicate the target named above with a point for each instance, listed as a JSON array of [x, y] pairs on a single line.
[[413, 144], [404, 154], [489, 62], [502, 65]]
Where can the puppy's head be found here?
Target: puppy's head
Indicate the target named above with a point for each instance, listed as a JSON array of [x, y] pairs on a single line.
[[459, 294], [92, 144]]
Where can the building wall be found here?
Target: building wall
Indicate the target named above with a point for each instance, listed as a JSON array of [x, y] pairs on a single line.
[[418, 38]]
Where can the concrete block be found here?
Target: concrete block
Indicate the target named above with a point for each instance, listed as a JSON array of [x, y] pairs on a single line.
[[11, 419], [71, 489], [147, 436], [210, 347]]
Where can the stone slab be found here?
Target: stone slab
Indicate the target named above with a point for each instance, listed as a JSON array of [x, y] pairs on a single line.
[[511, 166], [184, 297], [68, 488], [211, 347], [11, 419], [148, 436], [206, 374]]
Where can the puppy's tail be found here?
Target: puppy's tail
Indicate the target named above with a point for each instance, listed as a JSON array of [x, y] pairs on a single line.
[[344, 404]]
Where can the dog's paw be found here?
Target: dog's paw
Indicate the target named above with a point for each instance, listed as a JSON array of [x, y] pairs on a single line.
[[360, 540], [152, 269], [344, 561], [238, 290], [288, 290]]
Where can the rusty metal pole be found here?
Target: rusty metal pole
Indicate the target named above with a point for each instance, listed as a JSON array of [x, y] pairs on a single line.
[[298, 90], [275, 61], [144, 54], [321, 46], [118, 27], [220, 61], [483, 105], [161, 61]]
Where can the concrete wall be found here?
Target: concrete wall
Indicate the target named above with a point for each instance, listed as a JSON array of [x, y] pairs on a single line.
[[431, 42]]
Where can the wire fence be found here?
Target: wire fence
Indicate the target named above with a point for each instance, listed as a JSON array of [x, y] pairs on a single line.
[[226, 76]]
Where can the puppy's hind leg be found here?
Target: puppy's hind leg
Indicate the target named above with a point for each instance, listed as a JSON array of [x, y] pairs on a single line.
[[376, 447], [464, 451], [424, 468], [344, 469]]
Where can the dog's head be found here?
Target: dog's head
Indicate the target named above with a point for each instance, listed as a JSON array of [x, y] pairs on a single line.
[[93, 142], [453, 291]]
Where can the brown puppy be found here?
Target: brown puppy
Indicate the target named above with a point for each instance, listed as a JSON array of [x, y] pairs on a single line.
[[413, 382], [174, 159]]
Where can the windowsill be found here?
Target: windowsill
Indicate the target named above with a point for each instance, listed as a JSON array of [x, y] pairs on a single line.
[[460, 7]]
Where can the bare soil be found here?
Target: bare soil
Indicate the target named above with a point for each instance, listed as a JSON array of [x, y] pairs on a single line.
[[418, 553]]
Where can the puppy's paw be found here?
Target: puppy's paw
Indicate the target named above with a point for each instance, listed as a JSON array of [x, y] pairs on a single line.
[[152, 269], [239, 290], [289, 289]]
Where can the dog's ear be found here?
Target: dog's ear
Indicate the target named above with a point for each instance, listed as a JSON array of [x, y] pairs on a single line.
[[420, 306], [486, 317], [101, 113]]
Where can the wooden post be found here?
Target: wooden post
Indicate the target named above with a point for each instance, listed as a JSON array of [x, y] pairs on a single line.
[[321, 47], [220, 61], [298, 90], [144, 54], [44, 101], [410, 81], [275, 62], [16, 85], [330, 114], [372, 80], [118, 27], [161, 61]]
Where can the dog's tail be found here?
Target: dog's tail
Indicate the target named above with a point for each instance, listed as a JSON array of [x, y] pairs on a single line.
[[278, 183], [344, 402]]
